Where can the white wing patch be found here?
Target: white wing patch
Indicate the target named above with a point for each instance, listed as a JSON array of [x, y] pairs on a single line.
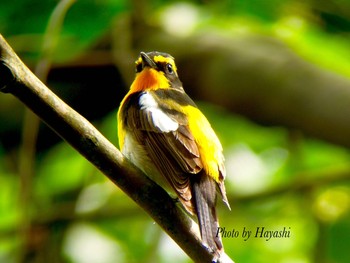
[[162, 121]]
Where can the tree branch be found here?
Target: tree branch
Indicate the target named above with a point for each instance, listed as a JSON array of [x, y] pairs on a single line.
[[17, 79]]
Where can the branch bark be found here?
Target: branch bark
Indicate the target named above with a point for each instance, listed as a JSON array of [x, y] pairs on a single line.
[[17, 79]]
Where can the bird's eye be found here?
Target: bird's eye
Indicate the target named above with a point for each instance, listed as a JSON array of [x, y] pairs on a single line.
[[138, 68], [169, 68]]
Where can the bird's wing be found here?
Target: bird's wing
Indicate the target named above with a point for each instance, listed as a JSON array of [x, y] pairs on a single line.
[[169, 142]]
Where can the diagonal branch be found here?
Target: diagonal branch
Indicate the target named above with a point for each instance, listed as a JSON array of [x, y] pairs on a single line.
[[17, 79]]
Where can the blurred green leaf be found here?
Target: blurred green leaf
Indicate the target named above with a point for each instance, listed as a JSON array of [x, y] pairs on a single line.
[[9, 202], [15, 18], [264, 10], [337, 245], [61, 170], [318, 156], [85, 22], [128, 237]]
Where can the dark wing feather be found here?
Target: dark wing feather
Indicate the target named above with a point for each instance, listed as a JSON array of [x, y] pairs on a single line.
[[174, 153]]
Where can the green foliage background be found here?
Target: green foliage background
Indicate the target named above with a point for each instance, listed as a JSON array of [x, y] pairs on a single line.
[[66, 211]]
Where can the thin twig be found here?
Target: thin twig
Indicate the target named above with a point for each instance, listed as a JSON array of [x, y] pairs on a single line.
[[17, 79]]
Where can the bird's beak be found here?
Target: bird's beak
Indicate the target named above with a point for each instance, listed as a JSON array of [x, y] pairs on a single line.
[[147, 61]]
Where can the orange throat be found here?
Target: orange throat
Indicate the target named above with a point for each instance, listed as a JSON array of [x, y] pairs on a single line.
[[149, 79]]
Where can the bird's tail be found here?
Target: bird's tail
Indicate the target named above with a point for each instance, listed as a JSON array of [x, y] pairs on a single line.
[[204, 191]]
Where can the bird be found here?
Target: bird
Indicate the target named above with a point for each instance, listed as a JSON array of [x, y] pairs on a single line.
[[162, 131]]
